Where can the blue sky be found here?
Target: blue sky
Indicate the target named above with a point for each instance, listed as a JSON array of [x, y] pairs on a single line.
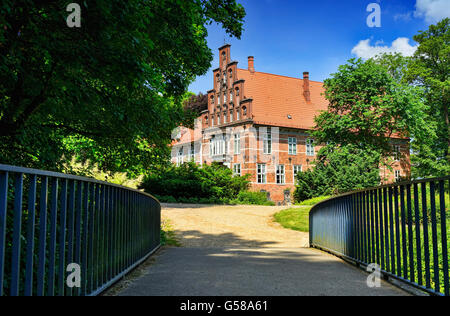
[[287, 37]]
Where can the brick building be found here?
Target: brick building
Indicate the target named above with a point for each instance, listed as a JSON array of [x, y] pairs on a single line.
[[258, 124]]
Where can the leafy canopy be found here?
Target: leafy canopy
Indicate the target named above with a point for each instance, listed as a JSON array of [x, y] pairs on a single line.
[[367, 107], [429, 68], [110, 91]]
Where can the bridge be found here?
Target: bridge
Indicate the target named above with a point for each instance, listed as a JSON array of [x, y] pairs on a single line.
[[74, 236]]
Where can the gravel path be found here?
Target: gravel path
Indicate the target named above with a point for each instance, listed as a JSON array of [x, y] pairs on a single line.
[[231, 226], [240, 251]]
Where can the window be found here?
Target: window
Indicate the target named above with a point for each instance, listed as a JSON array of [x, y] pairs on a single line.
[[225, 98], [238, 114], [218, 118], [267, 142], [262, 177], [217, 146], [192, 153], [237, 96], [292, 145], [225, 117], [218, 99], [297, 169], [180, 157], [231, 116], [237, 144], [237, 169], [397, 153], [280, 174], [231, 95], [244, 111], [398, 176], [206, 119], [310, 147]]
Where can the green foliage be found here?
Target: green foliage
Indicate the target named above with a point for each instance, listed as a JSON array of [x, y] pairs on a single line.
[[111, 91], [168, 236], [190, 181], [367, 106], [338, 169], [315, 200], [90, 170], [429, 68], [255, 198], [294, 218]]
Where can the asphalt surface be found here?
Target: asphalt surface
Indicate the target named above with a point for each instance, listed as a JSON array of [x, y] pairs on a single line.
[[240, 266]]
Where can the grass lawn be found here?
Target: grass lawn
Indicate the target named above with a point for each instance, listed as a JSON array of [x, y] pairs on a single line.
[[294, 218]]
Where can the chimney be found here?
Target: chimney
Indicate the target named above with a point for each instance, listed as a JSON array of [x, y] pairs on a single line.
[[306, 92], [251, 64]]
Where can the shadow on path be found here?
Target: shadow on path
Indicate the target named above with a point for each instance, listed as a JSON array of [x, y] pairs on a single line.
[[249, 267]]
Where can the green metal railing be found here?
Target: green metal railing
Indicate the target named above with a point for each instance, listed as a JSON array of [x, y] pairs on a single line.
[[403, 228], [49, 221]]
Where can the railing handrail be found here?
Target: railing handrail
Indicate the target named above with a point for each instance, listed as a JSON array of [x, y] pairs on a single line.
[[391, 185], [51, 220], [401, 227], [54, 174]]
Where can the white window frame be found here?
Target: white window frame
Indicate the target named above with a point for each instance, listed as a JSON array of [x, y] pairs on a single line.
[[180, 157], [267, 143], [292, 144], [237, 169], [310, 150], [281, 174], [237, 144], [397, 153], [192, 152], [261, 173], [397, 175], [295, 170]]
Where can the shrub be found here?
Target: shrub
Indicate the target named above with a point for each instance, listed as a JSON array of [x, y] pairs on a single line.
[[255, 198], [339, 169], [190, 181]]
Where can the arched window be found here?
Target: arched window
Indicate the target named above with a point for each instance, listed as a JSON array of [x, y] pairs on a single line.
[[244, 111]]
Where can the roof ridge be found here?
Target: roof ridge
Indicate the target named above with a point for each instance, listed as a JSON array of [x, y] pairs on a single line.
[[283, 76]]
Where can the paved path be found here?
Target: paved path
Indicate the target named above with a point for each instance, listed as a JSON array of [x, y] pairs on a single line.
[[239, 251]]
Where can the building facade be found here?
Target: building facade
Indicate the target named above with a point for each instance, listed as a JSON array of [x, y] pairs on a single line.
[[259, 124]]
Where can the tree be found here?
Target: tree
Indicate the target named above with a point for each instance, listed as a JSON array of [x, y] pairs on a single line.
[[430, 68], [111, 90], [339, 169], [367, 107]]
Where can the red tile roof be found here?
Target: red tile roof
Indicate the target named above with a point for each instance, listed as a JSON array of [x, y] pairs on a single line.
[[276, 97]]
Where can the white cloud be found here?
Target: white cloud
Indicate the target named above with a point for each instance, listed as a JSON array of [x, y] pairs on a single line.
[[432, 10], [401, 45], [403, 16]]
